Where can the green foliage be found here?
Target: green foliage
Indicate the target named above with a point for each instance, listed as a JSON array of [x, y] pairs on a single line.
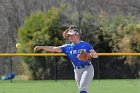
[[40, 28], [119, 34]]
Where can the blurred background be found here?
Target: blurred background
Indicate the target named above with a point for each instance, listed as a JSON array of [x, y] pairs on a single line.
[[110, 26]]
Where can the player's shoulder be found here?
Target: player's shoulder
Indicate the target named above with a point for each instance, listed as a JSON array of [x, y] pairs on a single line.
[[65, 45], [84, 42]]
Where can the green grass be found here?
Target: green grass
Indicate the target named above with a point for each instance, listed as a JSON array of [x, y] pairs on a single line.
[[69, 86]]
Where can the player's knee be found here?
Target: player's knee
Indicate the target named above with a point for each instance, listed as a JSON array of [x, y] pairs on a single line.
[[83, 92]]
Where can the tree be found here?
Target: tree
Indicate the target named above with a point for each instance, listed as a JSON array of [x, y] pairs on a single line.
[[120, 34], [40, 28]]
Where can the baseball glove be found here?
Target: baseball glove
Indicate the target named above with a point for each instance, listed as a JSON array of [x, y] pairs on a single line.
[[83, 55]]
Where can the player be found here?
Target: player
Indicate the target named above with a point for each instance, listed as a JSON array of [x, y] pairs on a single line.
[[80, 53]]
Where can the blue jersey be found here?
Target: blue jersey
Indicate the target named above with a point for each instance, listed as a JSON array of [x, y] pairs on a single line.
[[72, 50]]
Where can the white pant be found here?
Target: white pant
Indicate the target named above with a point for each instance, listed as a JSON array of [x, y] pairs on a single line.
[[83, 77]]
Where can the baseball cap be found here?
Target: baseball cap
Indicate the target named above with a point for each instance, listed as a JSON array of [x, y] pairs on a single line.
[[71, 32]]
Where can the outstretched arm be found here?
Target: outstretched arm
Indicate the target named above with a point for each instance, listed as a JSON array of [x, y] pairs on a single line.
[[48, 48]]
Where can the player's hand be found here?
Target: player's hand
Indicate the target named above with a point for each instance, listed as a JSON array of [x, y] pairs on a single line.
[[94, 55], [38, 48]]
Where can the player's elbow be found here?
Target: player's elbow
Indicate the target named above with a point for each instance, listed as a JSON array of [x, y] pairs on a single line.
[[57, 49]]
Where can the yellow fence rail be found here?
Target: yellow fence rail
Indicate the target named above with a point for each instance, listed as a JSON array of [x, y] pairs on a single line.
[[62, 54]]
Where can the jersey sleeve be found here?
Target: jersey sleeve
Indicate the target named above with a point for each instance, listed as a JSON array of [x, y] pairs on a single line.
[[64, 48], [89, 47]]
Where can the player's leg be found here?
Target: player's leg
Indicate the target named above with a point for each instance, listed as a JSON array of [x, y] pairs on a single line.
[[86, 78], [77, 73]]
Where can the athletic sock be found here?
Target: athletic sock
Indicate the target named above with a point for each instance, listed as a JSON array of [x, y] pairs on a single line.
[[83, 92]]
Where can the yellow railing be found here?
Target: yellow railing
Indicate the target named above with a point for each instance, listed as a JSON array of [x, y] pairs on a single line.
[[62, 54]]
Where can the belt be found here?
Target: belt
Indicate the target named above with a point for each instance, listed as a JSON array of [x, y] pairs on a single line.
[[82, 66]]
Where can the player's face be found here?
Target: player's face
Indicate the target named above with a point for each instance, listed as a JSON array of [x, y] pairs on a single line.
[[73, 38]]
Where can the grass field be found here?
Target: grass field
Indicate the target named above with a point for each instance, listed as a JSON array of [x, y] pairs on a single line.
[[69, 86]]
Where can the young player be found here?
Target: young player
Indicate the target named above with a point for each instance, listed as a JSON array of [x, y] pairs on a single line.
[[80, 53]]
